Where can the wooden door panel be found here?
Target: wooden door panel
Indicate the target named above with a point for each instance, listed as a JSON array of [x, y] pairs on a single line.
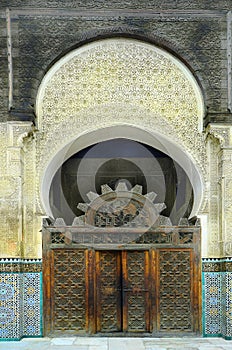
[[136, 291], [175, 290], [108, 285], [68, 286]]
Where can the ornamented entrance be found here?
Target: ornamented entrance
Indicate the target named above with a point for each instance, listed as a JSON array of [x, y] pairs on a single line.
[[142, 276], [123, 291]]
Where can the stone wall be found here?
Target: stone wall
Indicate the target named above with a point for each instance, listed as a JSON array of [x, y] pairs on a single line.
[[120, 4]]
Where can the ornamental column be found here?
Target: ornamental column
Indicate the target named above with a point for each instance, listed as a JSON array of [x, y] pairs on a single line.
[[11, 183]]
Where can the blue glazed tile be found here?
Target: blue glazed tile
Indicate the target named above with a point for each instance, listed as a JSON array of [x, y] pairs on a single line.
[[32, 304], [10, 310], [20, 305], [211, 303]]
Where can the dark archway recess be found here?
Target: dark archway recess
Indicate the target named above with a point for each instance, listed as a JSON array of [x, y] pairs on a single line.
[[111, 161]]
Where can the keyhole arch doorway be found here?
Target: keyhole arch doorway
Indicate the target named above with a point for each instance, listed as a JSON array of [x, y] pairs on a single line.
[[130, 90]]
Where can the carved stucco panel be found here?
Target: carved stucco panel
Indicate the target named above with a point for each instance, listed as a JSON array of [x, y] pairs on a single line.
[[119, 81], [222, 133], [9, 198], [213, 208], [11, 216], [17, 131], [219, 141], [227, 199], [61, 134], [3, 146], [11, 187], [32, 237], [122, 71]]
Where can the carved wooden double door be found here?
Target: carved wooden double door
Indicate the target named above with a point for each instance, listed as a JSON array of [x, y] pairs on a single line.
[[123, 291], [154, 290]]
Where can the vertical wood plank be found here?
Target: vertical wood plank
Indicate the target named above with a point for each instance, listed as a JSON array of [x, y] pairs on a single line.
[[98, 288], [157, 285], [52, 286], [87, 296], [90, 288], [124, 293], [94, 292], [46, 283], [47, 293], [119, 290], [199, 284], [147, 290], [152, 290], [197, 295], [193, 293]]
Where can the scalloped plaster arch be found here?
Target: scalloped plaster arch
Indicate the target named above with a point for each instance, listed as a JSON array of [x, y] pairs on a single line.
[[130, 132], [119, 88]]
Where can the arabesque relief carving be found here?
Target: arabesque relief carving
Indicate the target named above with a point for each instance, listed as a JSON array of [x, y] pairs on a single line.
[[119, 81]]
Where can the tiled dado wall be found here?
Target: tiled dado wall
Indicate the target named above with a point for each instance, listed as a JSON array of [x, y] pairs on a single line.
[[217, 298], [20, 298]]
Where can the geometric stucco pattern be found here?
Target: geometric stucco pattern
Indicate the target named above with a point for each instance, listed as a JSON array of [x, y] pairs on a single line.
[[214, 243], [12, 135], [222, 186], [121, 80], [114, 82]]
